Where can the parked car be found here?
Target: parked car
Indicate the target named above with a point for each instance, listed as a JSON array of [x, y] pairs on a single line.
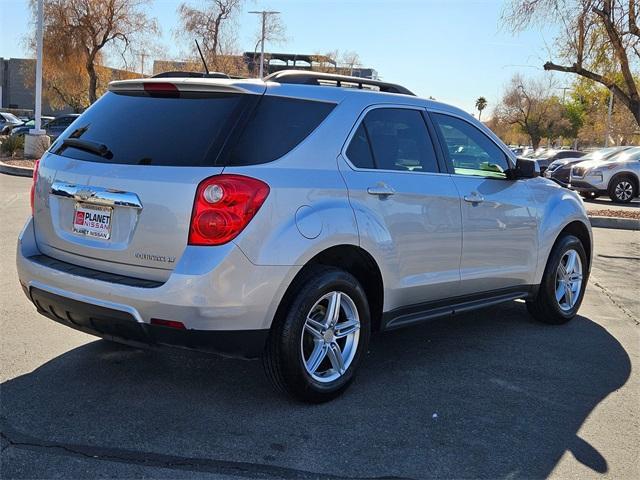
[[28, 125], [7, 122], [616, 176], [551, 155], [560, 170], [293, 218], [59, 124]]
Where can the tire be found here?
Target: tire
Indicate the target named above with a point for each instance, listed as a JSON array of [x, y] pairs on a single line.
[[546, 307], [294, 341], [589, 195], [623, 189]]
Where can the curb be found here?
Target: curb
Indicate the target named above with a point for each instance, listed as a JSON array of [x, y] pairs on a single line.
[[615, 222], [13, 170]]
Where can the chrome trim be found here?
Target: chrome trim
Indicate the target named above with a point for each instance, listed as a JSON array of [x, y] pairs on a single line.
[[96, 195]]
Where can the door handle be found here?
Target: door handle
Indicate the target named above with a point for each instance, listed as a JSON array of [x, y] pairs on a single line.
[[381, 189], [475, 197]]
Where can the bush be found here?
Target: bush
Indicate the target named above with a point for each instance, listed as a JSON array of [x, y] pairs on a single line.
[[12, 144]]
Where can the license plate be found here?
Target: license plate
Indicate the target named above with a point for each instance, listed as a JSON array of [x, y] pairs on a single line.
[[92, 221]]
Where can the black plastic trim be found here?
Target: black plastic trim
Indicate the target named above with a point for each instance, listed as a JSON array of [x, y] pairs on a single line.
[[418, 313], [120, 326], [71, 269]]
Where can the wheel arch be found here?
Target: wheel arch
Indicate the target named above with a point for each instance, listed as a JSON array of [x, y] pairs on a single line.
[[581, 231], [353, 259]]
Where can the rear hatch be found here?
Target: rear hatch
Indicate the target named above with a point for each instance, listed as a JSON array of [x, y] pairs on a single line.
[[115, 192]]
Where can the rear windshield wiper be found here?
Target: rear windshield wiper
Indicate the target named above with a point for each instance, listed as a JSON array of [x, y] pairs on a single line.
[[88, 146]]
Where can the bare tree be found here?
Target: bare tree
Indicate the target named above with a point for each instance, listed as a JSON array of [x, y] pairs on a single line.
[[275, 31], [213, 25], [599, 40], [527, 104], [83, 30], [350, 60]]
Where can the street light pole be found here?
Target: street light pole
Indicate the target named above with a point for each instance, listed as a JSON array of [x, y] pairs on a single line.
[[35, 141], [39, 34], [264, 14]]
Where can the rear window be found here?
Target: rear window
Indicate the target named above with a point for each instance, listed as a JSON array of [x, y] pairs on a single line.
[[142, 130], [276, 127]]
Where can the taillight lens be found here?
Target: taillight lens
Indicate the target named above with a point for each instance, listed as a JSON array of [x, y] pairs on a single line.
[[223, 207], [32, 194]]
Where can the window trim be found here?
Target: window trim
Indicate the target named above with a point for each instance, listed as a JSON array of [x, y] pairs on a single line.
[[421, 111], [445, 152]]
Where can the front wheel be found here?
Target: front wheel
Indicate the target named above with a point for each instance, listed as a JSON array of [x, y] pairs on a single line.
[[563, 283], [317, 342]]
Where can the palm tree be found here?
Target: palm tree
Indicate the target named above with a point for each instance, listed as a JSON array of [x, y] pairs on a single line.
[[481, 104]]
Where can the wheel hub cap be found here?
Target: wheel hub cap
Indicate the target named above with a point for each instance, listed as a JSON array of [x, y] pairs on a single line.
[[329, 340], [624, 190]]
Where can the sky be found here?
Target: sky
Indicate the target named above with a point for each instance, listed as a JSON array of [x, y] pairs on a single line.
[[452, 50]]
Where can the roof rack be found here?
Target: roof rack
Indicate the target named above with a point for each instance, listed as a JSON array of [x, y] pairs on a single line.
[[320, 78], [175, 74]]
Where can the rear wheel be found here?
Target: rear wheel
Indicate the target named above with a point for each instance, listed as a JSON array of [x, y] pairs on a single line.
[[622, 189], [563, 283], [316, 345]]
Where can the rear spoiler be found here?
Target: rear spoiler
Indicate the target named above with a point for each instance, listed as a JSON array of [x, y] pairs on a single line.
[[193, 84]]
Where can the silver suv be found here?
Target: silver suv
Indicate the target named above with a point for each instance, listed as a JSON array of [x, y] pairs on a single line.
[[289, 219], [617, 176]]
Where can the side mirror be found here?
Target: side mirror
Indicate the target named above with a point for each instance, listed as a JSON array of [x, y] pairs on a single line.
[[525, 168]]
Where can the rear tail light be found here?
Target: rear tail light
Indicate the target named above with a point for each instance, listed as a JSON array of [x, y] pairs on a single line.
[[223, 207], [32, 194]]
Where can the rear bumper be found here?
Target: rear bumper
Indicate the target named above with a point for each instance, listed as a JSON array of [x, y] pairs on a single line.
[[225, 302], [122, 327]]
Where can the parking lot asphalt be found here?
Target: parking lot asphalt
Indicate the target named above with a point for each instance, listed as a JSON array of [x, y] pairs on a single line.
[[490, 394], [605, 203]]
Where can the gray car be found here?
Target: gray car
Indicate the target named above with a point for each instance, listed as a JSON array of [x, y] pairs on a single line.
[[291, 220]]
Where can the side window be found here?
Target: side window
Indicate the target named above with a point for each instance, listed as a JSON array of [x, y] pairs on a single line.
[[393, 139], [359, 150], [276, 127], [470, 151]]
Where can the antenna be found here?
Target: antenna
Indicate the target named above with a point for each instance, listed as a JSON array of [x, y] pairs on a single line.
[[206, 69]]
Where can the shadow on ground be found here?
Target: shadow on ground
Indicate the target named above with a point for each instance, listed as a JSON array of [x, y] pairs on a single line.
[[488, 394]]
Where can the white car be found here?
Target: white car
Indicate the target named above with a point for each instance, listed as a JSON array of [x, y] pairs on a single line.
[[616, 176]]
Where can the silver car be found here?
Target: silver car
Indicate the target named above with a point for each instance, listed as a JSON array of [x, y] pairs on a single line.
[[616, 176], [291, 220]]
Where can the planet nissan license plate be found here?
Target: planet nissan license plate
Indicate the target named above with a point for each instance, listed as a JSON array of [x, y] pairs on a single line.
[[92, 221]]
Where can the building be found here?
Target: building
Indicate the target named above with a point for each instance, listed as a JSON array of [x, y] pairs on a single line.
[[249, 62], [17, 92], [17, 86]]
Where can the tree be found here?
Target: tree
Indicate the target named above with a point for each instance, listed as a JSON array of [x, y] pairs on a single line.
[[212, 25], [274, 32], [349, 60], [481, 104], [599, 40], [528, 104], [78, 33]]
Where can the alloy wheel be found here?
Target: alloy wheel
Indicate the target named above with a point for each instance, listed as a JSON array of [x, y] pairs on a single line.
[[330, 337], [568, 280], [624, 190]]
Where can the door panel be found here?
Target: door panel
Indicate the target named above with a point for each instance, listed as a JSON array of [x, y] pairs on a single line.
[[499, 228], [499, 234], [416, 231]]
